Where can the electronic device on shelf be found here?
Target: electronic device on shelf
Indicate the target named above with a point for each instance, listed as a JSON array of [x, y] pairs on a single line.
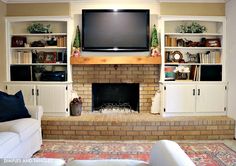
[[53, 76]]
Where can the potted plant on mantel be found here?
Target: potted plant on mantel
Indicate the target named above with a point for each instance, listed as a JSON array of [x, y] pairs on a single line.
[[76, 44], [154, 43]]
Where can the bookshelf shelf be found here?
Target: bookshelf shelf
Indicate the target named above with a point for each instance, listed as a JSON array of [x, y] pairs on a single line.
[[39, 34], [39, 64], [43, 74], [193, 48], [195, 34], [25, 56], [203, 90], [38, 48]]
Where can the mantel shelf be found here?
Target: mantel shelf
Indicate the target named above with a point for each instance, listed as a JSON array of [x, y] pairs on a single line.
[[89, 60]]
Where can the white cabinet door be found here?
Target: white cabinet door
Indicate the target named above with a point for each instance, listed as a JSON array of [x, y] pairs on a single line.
[[53, 98], [27, 90], [211, 98], [179, 98]]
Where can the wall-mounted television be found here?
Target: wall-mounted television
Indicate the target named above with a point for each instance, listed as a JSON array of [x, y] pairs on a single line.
[[115, 30]]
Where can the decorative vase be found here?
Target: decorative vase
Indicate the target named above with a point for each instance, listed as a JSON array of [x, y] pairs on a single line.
[[76, 109], [38, 76]]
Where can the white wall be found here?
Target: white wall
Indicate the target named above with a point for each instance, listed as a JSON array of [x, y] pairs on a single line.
[[231, 56], [2, 43]]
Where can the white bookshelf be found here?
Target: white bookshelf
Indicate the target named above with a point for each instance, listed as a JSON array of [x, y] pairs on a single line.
[[204, 90], [53, 95]]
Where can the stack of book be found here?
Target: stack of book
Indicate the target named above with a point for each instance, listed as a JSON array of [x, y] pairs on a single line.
[[22, 57], [61, 41], [169, 73], [211, 57], [170, 41]]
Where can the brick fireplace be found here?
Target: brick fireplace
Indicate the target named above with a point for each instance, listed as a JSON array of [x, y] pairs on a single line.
[[146, 75]]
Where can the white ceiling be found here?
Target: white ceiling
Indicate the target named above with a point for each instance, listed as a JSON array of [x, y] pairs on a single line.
[[58, 1]]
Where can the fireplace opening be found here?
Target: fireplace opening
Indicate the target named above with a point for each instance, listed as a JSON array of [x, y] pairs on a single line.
[[117, 97]]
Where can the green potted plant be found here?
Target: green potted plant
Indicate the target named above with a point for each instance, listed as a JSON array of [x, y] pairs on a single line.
[[76, 44], [155, 51]]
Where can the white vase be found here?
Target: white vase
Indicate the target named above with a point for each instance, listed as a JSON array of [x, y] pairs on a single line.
[[38, 76]]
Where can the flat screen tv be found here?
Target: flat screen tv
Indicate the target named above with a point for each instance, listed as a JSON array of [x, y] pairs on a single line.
[[115, 30]]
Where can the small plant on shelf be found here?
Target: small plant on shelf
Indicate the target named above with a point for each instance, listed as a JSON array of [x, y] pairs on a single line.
[[76, 44], [38, 28], [193, 28], [154, 42]]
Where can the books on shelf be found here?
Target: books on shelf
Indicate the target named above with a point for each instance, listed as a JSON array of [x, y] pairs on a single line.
[[195, 73], [169, 73], [22, 57], [61, 41], [170, 41], [206, 73], [210, 57]]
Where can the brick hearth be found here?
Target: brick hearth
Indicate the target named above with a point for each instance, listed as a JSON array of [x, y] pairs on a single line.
[[139, 126], [146, 75]]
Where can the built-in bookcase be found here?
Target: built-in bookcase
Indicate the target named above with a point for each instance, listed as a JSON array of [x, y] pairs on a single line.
[[193, 65], [196, 51], [30, 53], [38, 62]]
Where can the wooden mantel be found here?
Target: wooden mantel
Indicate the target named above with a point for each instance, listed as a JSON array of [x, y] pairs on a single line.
[[89, 60]]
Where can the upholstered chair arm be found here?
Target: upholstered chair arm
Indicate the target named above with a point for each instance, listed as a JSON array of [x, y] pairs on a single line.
[[169, 153], [36, 112]]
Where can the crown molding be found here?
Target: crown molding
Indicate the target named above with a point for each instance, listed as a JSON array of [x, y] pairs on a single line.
[[194, 1], [35, 1], [129, 1], [79, 1]]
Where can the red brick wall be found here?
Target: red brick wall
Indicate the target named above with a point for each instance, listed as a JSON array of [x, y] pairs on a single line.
[[146, 75]]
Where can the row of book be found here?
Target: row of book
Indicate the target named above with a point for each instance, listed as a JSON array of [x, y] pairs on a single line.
[[61, 41], [22, 57], [197, 73], [27, 57], [170, 41], [210, 57]]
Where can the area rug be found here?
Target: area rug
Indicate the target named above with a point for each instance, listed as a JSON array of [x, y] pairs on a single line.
[[202, 154]]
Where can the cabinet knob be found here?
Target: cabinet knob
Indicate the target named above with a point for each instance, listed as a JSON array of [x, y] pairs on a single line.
[[193, 92], [32, 92], [37, 92], [198, 92]]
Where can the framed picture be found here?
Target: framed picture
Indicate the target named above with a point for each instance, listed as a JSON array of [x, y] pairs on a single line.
[[18, 41], [193, 58], [213, 43], [50, 57], [40, 57]]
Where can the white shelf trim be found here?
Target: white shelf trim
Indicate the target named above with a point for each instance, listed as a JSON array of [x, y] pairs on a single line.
[[37, 48], [194, 48], [194, 34], [39, 34], [179, 64], [36, 64]]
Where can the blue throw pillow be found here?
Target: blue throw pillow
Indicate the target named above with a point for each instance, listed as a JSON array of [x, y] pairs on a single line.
[[12, 107]]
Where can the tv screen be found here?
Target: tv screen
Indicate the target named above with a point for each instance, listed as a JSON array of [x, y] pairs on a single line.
[[110, 30]]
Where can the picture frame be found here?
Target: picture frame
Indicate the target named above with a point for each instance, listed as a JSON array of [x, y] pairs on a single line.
[[49, 57], [40, 57], [193, 58], [213, 42], [18, 41]]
